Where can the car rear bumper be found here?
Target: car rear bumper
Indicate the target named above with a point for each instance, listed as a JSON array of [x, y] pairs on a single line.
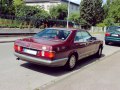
[[54, 63], [112, 39]]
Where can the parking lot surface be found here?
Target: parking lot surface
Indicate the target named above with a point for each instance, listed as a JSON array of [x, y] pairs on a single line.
[[20, 75], [102, 75]]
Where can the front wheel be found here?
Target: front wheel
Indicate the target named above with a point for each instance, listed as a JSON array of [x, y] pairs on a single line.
[[70, 65]]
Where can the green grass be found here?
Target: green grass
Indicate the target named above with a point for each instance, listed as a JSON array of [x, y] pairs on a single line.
[[9, 23]]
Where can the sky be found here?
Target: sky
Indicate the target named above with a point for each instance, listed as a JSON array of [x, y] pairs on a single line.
[[78, 1]]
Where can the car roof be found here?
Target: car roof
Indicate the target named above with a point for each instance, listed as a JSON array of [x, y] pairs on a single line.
[[68, 29], [114, 26]]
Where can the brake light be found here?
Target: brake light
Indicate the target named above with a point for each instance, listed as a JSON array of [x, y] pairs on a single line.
[[18, 48], [46, 54], [50, 54], [107, 34]]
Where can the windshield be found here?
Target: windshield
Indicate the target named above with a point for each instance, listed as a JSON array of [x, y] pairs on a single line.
[[53, 34], [114, 28]]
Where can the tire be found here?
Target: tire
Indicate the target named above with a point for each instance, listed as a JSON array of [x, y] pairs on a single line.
[[106, 42], [71, 63], [99, 52]]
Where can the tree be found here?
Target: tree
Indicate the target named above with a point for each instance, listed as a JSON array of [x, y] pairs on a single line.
[[106, 7], [18, 2], [40, 17], [31, 14], [58, 12], [75, 17], [26, 11], [7, 7], [42, 14], [114, 11], [17, 5], [91, 12], [111, 13]]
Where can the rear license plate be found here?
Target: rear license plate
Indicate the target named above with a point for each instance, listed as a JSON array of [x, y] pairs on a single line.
[[115, 35], [30, 51]]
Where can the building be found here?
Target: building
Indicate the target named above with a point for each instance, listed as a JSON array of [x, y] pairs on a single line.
[[46, 4]]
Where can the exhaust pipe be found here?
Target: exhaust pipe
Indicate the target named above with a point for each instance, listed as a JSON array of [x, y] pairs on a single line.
[[17, 58]]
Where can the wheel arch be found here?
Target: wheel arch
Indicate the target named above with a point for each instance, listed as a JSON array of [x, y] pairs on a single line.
[[73, 53], [101, 46]]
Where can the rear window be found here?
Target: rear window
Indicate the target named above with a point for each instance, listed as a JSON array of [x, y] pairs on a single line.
[[53, 34], [113, 28]]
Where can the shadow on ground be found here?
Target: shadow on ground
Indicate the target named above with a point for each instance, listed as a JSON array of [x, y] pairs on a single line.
[[114, 44], [59, 71]]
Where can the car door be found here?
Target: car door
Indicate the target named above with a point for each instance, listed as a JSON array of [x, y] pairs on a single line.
[[79, 45], [90, 43]]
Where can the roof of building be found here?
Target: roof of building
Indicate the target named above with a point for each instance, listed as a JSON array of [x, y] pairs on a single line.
[[42, 1]]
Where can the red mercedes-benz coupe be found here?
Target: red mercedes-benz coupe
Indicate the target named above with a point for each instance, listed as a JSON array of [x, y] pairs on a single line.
[[58, 47]]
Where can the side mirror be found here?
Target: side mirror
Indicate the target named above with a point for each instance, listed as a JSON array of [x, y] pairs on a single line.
[[93, 38]]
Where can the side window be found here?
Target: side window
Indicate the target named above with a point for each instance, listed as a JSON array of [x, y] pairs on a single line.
[[86, 36], [78, 37]]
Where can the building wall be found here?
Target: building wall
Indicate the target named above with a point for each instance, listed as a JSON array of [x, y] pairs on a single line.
[[72, 7], [47, 5]]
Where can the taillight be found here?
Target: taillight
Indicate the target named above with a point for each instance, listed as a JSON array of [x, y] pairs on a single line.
[[50, 54], [46, 54], [18, 48], [15, 47], [107, 34]]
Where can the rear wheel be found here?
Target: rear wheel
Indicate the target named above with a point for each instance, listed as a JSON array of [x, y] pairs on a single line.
[[70, 65], [106, 42], [99, 52]]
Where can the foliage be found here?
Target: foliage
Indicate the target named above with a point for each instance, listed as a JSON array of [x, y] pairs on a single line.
[[107, 22], [18, 2], [7, 7], [59, 12], [114, 11], [111, 13], [106, 8], [75, 17], [101, 25], [6, 2], [39, 17], [42, 15], [26, 11], [91, 12], [9, 23], [32, 15], [31, 12]]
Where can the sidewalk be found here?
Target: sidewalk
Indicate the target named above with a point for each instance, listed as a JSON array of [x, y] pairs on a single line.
[[103, 75], [10, 39]]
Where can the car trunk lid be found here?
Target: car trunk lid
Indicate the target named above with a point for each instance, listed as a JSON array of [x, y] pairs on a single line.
[[36, 43], [37, 47]]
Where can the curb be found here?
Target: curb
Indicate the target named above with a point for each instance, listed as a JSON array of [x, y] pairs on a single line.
[[7, 41], [16, 35], [12, 40]]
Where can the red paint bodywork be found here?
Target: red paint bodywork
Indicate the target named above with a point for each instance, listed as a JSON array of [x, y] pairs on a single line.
[[61, 48]]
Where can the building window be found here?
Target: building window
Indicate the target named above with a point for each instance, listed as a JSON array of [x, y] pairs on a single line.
[[72, 7], [42, 6]]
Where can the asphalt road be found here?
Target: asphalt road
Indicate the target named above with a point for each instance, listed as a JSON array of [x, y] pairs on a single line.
[[20, 75]]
